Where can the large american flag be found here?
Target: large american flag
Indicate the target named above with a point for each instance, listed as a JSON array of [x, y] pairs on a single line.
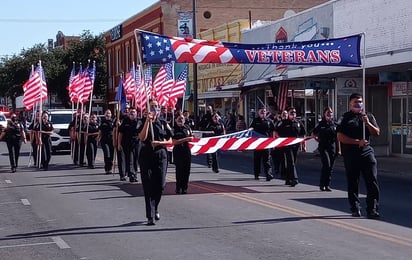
[[247, 140], [35, 88], [160, 49]]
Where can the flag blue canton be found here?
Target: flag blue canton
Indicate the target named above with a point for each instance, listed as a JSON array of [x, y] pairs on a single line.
[[169, 71], [183, 74], [157, 48]]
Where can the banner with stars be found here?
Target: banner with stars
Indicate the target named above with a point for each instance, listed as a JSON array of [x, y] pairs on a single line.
[[159, 49]]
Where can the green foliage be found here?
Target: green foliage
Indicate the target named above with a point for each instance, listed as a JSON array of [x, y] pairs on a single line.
[[57, 64]]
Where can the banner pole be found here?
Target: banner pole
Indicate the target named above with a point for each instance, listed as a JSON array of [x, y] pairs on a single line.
[[364, 79]]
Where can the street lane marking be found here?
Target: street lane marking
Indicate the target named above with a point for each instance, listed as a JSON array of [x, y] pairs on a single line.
[[337, 223], [60, 243], [56, 240], [25, 202], [32, 244], [8, 181]]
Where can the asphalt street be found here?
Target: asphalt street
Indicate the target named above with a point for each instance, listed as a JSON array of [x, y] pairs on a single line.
[[70, 212]]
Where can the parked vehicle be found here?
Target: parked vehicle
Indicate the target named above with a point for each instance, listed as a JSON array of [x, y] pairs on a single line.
[[3, 120], [60, 119]]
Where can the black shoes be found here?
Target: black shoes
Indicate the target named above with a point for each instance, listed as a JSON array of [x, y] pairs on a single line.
[[373, 214], [177, 191], [13, 169], [293, 183], [256, 177], [216, 170], [356, 213], [184, 191], [269, 177], [150, 222], [325, 188], [132, 179], [122, 178]]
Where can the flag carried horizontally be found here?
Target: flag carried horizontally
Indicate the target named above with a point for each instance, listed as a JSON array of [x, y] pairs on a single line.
[[35, 88], [162, 49]]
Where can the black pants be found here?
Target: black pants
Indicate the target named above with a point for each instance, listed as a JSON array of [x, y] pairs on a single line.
[[327, 157], [357, 163], [278, 158], [34, 152], [82, 150], [130, 150], [14, 152], [120, 163], [153, 167], [261, 156], [212, 160], [108, 154], [291, 153], [91, 150], [46, 153], [182, 159]]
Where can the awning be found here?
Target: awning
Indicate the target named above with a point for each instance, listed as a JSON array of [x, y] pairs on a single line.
[[218, 94]]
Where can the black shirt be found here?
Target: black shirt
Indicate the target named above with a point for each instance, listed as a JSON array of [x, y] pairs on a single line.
[[263, 126], [289, 128], [351, 125], [93, 128], [48, 126], [129, 130], [180, 132], [326, 133], [161, 130], [13, 131], [106, 128]]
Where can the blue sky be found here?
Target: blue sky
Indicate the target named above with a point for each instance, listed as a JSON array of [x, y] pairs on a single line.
[[25, 23]]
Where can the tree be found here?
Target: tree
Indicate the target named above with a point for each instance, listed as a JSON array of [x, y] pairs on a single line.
[[57, 64]]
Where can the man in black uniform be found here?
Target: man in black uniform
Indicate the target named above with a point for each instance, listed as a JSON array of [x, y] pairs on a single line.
[[105, 138], [154, 135], [291, 127], [354, 129], [262, 125], [128, 143], [91, 142]]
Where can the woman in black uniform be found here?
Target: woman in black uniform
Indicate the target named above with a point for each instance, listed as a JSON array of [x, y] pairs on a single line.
[[44, 129], [325, 134], [105, 139], [154, 135], [182, 135], [14, 134], [91, 142]]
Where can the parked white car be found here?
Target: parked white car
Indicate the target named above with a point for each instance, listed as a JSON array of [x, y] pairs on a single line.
[[60, 119], [3, 120]]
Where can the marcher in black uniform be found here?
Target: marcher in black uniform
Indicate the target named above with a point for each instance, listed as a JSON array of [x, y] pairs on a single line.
[[218, 128], [359, 157], [128, 142], [325, 134], [105, 138], [264, 126], [188, 121], [81, 138], [277, 155], [73, 125], [91, 141], [182, 135], [154, 135], [33, 138], [291, 127], [44, 129], [13, 134]]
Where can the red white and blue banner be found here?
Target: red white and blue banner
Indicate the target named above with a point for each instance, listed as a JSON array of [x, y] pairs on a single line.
[[159, 49]]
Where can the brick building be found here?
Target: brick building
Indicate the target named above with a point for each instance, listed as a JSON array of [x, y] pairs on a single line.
[[171, 16]]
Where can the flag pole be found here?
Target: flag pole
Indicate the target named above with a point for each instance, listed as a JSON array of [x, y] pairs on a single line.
[[139, 57], [39, 155], [364, 79]]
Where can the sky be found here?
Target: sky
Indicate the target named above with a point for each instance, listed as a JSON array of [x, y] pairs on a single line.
[[26, 23]]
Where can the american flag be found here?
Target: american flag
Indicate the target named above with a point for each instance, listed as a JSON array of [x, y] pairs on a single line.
[[160, 49], [167, 84], [130, 83], [246, 140], [282, 97], [35, 88], [158, 81], [179, 87], [89, 76]]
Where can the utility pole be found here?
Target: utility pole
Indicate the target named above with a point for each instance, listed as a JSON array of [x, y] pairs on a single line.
[[195, 104]]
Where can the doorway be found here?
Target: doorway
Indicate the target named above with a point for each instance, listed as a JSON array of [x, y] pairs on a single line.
[[401, 129]]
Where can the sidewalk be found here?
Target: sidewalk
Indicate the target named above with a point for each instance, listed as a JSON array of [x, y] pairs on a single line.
[[387, 165]]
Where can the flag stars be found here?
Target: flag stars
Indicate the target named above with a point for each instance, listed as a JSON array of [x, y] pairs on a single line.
[[158, 44], [149, 45], [160, 51]]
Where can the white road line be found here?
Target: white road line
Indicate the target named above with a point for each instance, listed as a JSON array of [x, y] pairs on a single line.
[[10, 202], [25, 202], [60, 243], [33, 244], [8, 181]]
